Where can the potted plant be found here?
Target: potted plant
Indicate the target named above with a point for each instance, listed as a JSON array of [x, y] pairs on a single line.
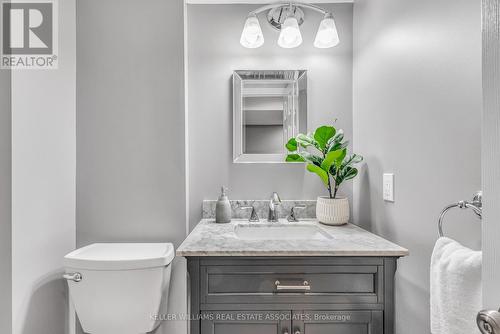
[[325, 153]]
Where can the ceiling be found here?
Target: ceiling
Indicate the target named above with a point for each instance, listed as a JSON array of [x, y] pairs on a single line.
[[258, 1]]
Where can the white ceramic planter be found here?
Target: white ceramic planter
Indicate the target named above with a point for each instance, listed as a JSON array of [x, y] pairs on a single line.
[[332, 211]]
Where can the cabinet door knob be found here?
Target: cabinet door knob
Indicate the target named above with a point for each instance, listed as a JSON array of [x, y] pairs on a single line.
[[297, 332]]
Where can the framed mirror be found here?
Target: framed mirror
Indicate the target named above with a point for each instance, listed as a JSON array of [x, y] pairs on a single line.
[[269, 107]]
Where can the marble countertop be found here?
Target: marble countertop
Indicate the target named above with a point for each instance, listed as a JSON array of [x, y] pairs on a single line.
[[211, 239]]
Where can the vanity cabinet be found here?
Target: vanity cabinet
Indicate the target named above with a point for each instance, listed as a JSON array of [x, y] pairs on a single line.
[[246, 322], [310, 322], [306, 295], [349, 322]]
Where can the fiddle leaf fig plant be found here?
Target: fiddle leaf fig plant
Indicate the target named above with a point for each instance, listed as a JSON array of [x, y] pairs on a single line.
[[325, 152]]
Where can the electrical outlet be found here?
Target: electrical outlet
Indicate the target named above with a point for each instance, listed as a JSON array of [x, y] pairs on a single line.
[[388, 187]]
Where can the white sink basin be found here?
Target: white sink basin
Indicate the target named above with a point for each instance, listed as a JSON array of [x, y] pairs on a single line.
[[277, 231]]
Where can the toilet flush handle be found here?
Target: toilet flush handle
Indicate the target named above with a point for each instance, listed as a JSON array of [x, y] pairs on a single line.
[[77, 277]]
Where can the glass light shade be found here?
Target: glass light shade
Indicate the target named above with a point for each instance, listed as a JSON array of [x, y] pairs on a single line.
[[327, 35], [290, 36], [251, 36]]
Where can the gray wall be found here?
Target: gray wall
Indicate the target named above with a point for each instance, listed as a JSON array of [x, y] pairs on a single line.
[[417, 113], [130, 127], [43, 186], [5, 204], [214, 53], [130, 121]]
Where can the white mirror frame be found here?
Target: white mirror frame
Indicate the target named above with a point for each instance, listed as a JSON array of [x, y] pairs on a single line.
[[299, 78]]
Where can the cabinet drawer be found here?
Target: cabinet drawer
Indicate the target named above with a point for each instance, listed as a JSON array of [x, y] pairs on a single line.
[[291, 284]]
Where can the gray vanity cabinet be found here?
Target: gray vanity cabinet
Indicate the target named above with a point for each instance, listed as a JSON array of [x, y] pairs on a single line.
[[306, 295], [286, 322], [351, 322], [246, 322]]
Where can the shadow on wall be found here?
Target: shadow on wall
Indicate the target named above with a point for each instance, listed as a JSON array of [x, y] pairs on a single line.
[[369, 189], [363, 202], [48, 306], [410, 298], [177, 300]]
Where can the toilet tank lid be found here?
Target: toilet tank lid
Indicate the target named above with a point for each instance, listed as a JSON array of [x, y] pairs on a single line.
[[120, 256]]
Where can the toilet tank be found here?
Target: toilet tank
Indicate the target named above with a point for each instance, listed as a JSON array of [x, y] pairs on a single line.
[[123, 287]]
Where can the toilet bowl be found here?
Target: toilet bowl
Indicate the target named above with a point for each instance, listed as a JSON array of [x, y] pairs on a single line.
[[119, 288]]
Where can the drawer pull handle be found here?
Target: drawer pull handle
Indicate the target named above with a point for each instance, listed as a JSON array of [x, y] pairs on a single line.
[[301, 287]]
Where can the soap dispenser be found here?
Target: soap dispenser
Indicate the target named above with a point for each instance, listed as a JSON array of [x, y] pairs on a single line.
[[223, 208]]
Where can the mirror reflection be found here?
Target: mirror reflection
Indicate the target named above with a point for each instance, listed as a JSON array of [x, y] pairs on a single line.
[[269, 108]]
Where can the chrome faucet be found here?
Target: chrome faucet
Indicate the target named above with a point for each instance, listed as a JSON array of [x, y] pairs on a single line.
[[274, 202]]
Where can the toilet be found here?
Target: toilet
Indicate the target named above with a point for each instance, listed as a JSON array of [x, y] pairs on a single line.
[[119, 288]]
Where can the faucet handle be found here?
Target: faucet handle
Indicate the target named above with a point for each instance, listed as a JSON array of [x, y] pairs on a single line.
[[274, 201], [292, 218], [275, 198], [254, 217]]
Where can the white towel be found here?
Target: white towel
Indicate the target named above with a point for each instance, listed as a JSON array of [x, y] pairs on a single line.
[[456, 295]]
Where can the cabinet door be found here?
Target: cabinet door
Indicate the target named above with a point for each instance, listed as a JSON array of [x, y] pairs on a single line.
[[246, 322], [341, 322]]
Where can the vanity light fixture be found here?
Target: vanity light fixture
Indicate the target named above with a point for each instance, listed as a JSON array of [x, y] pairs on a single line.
[[327, 35], [252, 36], [287, 17], [290, 36]]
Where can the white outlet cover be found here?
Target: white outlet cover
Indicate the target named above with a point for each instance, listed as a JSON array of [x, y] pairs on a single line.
[[388, 187]]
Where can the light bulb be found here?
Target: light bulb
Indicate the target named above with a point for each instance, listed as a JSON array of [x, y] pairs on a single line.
[[290, 36], [327, 35], [251, 36]]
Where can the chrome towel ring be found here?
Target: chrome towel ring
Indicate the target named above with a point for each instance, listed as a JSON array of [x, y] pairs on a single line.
[[476, 205]]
